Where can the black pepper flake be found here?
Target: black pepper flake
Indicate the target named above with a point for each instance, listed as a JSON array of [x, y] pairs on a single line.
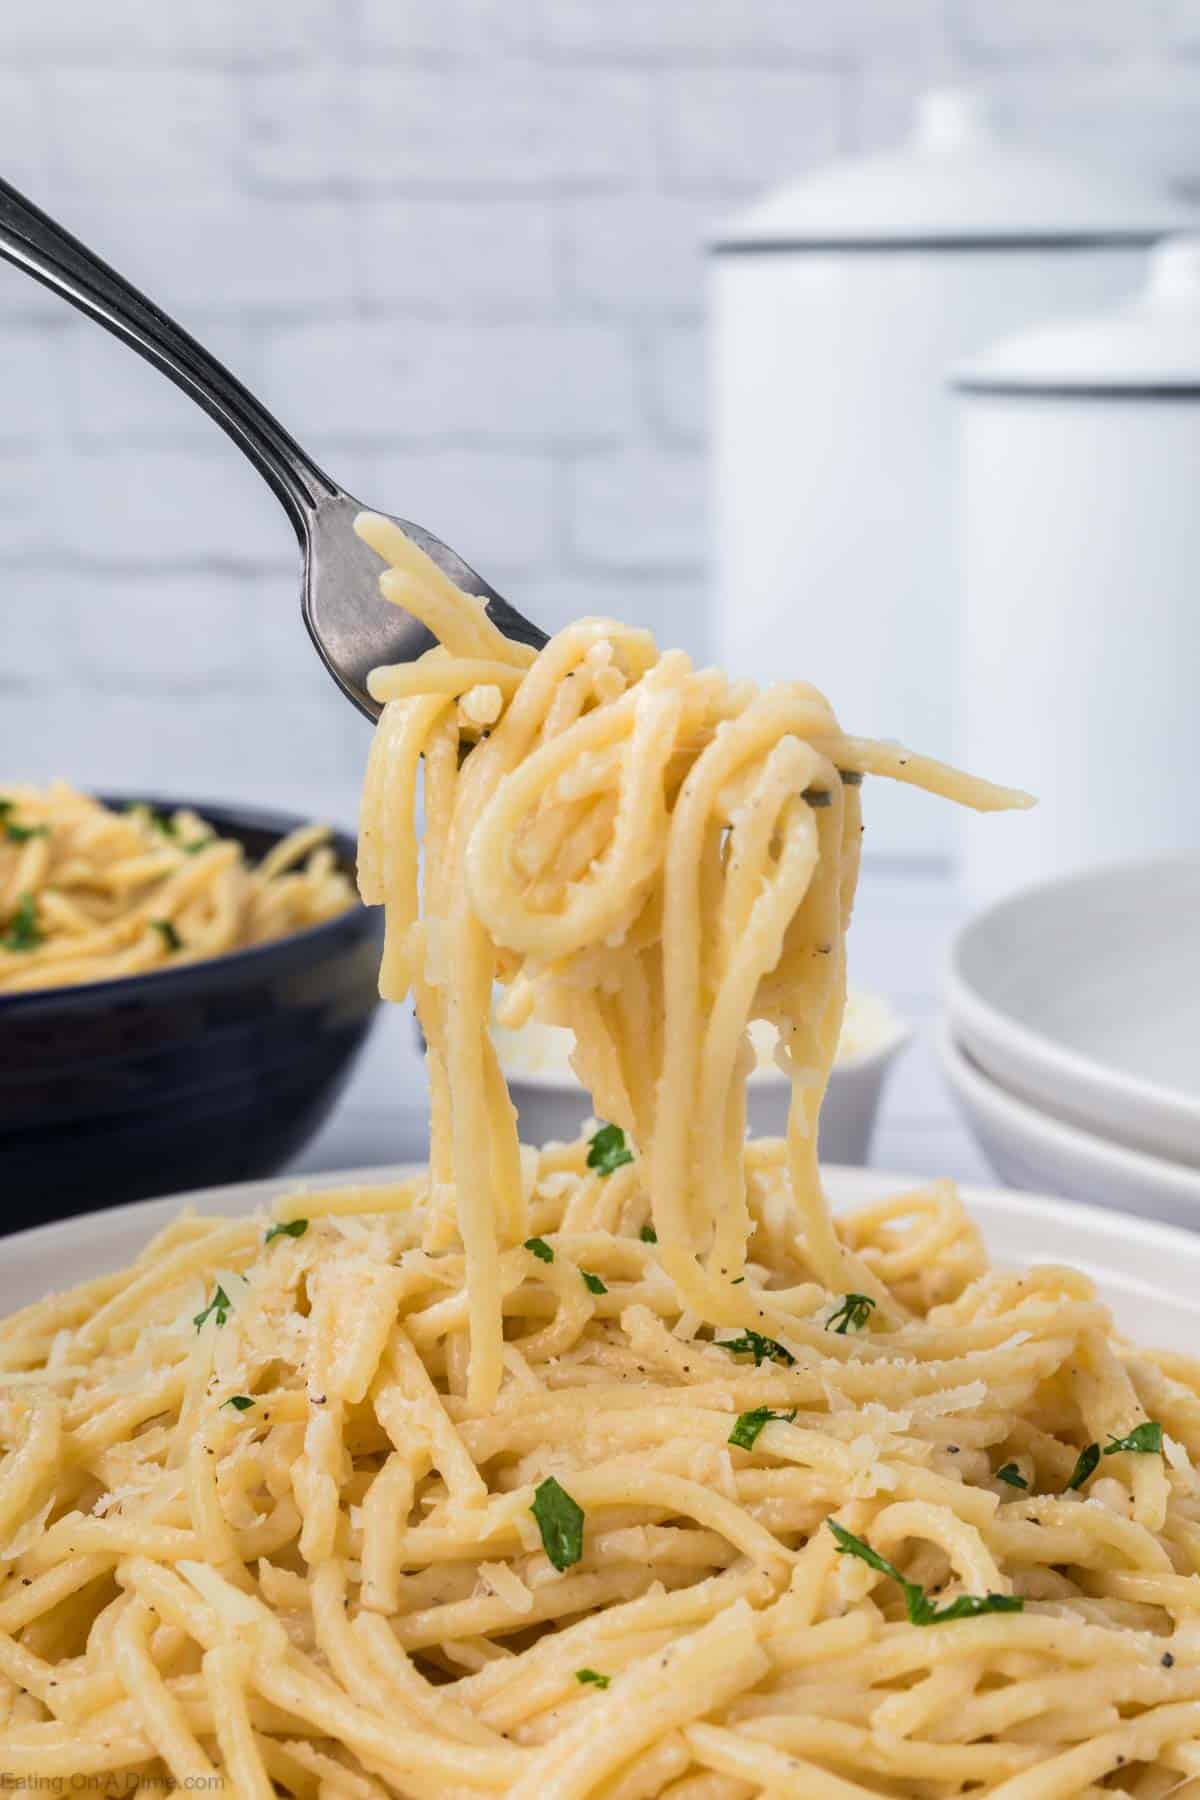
[[1168, 1661]]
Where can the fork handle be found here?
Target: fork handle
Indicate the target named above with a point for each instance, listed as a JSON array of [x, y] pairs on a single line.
[[35, 243]]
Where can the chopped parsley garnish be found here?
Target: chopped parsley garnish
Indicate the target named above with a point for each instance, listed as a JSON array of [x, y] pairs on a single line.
[[21, 834], [854, 1312], [967, 1606], [560, 1522], [749, 1424], [1012, 1475], [294, 1228], [738, 1282], [1144, 1439], [608, 1150], [160, 821], [540, 1248], [24, 928], [242, 1402], [753, 1343], [6, 806], [196, 844], [589, 1678], [170, 936], [1085, 1465], [592, 1283], [920, 1608], [218, 1307], [648, 1234]]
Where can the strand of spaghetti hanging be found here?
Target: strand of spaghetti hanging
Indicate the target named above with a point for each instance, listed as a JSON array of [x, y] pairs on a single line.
[[646, 853]]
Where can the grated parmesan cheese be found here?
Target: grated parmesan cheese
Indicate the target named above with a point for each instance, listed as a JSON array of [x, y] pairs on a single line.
[[507, 1585]]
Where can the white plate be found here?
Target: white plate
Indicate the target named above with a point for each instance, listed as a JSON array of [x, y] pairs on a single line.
[[1080, 996], [1148, 1273], [1037, 1151]]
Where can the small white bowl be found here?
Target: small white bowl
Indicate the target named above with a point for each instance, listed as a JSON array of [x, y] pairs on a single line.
[[1079, 996], [1034, 1150], [553, 1108]]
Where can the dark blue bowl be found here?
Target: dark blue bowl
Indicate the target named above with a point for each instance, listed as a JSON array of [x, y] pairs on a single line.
[[184, 1078]]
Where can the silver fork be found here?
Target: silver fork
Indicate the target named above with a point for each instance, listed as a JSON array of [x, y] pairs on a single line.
[[353, 628]]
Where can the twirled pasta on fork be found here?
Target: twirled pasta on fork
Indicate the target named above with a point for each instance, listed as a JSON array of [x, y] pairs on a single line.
[[646, 853]]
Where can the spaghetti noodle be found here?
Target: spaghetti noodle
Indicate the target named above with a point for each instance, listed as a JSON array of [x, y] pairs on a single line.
[[620, 1470], [88, 893]]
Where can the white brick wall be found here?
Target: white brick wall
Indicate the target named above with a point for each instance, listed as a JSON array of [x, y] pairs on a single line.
[[458, 245], [548, 381], [727, 129], [636, 509], [448, 257]]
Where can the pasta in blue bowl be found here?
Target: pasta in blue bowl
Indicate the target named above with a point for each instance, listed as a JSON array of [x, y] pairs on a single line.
[[199, 1041]]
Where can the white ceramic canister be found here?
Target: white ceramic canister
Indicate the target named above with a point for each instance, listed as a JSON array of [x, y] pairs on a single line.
[[1081, 557], [838, 304]]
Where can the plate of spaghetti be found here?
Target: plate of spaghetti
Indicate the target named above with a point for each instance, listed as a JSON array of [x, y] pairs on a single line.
[[660, 1463]]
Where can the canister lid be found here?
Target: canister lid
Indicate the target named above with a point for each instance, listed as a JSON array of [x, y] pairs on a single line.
[[1150, 345], [956, 184]]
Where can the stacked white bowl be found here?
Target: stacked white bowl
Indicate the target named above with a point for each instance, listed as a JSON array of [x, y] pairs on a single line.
[[1071, 1036]]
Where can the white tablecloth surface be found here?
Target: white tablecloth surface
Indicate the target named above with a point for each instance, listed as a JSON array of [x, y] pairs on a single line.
[[902, 926]]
